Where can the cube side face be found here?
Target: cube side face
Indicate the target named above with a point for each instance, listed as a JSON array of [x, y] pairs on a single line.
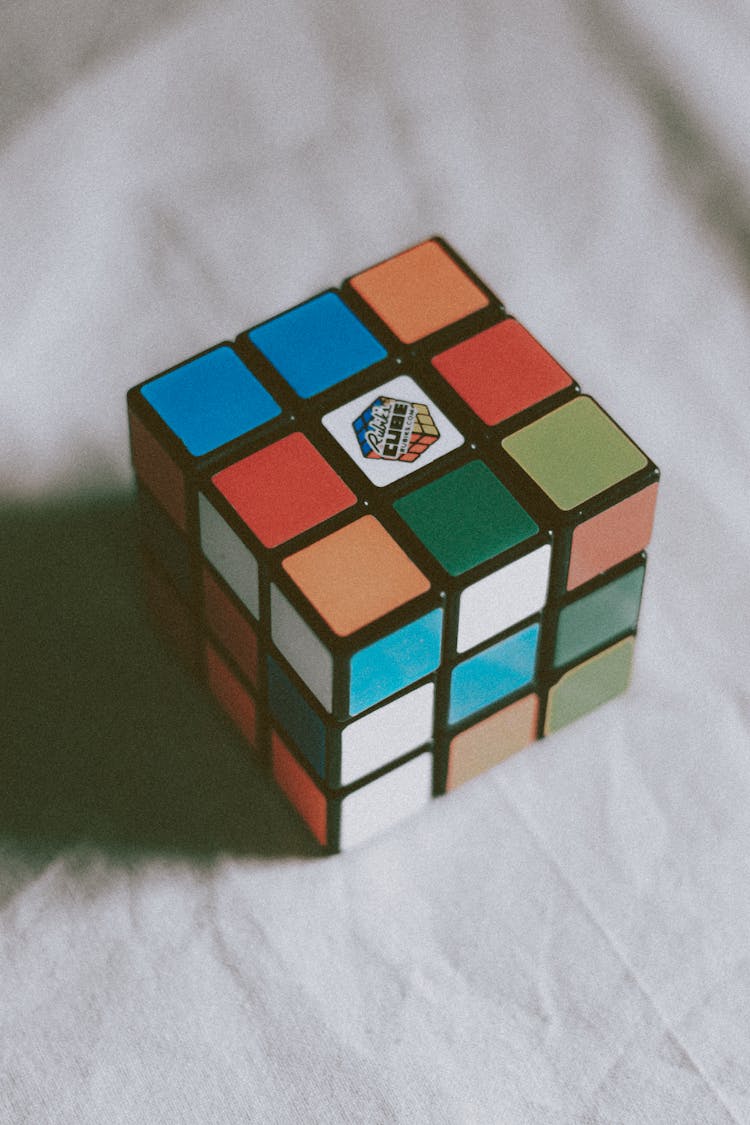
[[172, 617], [308, 799], [493, 558], [346, 818], [229, 556], [385, 802], [592, 482], [495, 672], [156, 469], [165, 542], [423, 550]]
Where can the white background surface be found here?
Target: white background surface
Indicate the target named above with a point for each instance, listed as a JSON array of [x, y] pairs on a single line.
[[563, 940]]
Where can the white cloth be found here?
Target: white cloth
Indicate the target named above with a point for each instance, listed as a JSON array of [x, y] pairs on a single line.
[[566, 939]]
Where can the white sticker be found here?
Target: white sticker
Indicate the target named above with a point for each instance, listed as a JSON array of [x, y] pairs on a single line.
[[307, 654], [229, 555], [503, 598], [385, 801], [387, 733], [392, 430]]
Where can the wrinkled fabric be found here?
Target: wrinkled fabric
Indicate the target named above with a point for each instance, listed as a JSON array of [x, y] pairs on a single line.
[[565, 939]]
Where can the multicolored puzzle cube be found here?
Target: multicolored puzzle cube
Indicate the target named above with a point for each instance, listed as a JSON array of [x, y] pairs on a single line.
[[392, 536]]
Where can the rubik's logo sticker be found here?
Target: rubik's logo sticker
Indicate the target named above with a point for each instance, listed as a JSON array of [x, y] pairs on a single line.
[[393, 429]]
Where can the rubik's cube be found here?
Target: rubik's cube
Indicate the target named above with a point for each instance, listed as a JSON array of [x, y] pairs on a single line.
[[393, 536]]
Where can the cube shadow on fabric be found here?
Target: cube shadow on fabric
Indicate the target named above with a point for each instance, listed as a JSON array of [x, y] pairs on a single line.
[[393, 538]]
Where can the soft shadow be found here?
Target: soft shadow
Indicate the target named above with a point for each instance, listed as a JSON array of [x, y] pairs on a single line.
[[105, 739]]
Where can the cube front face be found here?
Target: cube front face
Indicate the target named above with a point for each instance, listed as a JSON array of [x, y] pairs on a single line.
[[408, 546]]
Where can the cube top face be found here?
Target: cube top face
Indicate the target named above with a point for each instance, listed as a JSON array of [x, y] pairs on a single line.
[[392, 431], [356, 575], [317, 344], [574, 453], [463, 535], [284, 489], [419, 292], [501, 372], [211, 400]]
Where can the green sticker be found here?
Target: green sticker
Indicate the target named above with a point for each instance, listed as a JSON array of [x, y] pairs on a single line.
[[575, 452], [598, 617], [586, 687], [466, 517]]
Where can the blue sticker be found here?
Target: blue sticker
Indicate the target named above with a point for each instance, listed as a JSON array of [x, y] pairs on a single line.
[[296, 717], [492, 674], [395, 661], [317, 345], [210, 400]]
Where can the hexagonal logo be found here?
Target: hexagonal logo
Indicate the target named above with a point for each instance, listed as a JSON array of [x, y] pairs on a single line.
[[394, 429]]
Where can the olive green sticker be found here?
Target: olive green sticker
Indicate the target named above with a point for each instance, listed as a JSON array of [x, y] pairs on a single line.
[[466, 517], [575, 452], [587, 686], [598, 617]]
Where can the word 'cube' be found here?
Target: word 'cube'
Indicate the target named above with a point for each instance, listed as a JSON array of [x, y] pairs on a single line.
[[392, 536]]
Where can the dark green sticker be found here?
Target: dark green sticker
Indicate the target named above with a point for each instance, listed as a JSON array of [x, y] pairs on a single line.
[[598, 617], [466, 517]]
